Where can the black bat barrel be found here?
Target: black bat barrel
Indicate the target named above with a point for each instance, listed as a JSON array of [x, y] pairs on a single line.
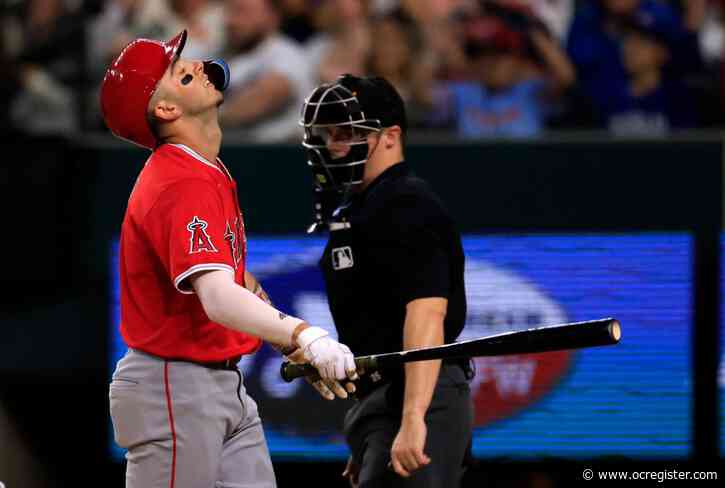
[[574, 335]]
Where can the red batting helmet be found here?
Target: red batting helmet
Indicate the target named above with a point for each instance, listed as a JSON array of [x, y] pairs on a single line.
[[130, 82]]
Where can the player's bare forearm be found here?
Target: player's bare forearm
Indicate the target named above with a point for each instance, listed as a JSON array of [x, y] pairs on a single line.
[[423, 328], [252, 284], [235, 307]]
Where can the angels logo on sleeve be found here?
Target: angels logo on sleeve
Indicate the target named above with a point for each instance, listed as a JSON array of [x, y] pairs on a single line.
[[237, 239], [231, 238], [243, 233], [200, 240]]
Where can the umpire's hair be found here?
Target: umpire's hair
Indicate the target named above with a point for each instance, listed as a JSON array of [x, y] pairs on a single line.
[[379, 100], [394, 103]]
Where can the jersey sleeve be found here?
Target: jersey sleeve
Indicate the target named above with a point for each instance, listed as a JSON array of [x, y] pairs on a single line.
[[416, 258], [187, 230]]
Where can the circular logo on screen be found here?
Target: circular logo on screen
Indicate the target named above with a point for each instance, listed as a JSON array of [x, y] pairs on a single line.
[[498, 301], [502, 301]]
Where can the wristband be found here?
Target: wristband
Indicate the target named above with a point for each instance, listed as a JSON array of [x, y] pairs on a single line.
[[308, 335]]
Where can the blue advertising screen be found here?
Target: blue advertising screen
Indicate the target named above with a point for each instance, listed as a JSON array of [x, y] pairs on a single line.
[[632, 399]]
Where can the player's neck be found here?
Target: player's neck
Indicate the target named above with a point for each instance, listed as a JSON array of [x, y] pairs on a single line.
[[205, 139]]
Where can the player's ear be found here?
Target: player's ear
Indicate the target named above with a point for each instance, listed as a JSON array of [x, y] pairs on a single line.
[[166, 110]]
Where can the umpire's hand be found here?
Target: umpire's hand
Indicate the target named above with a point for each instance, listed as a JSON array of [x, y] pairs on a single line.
[[406, 455], [333, 360]]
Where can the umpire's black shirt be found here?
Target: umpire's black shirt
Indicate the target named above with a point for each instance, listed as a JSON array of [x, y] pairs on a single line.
[[392, 244]]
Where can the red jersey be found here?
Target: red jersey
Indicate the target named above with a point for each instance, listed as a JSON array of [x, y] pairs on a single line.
[[183, 217]]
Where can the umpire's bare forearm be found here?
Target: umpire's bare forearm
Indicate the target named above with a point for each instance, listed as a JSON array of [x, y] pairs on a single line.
[[424, 326]]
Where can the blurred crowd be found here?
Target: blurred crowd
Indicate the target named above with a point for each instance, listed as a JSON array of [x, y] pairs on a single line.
[[475, 68]]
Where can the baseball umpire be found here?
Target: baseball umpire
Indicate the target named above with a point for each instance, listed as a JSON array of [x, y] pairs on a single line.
[[393, 269], [189, 309]]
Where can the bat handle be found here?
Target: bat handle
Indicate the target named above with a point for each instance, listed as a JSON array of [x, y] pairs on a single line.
[[291, 371]]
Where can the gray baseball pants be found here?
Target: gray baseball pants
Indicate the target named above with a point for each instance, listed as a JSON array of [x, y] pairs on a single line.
[[187, 426]]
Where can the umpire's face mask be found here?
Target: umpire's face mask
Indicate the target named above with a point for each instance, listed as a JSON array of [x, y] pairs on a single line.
[[336, 137]]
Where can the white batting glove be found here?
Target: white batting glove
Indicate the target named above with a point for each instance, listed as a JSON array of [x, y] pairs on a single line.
[[328, 389], [333, 360]]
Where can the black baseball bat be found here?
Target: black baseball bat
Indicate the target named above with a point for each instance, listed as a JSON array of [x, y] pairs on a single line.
[[574, 335]]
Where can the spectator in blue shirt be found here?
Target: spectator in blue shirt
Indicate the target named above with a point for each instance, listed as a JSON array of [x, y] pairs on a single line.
[[596, 38], [650, 101], [509, 93]]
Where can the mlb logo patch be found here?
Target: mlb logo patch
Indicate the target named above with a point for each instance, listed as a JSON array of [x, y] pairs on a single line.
[[342, 258]]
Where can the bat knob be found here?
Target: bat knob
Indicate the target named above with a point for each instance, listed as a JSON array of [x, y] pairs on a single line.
[[615, 330]]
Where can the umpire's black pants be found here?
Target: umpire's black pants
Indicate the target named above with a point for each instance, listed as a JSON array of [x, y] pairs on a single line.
[[372, 424]]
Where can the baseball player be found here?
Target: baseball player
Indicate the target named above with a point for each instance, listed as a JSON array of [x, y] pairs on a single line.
[[389, 232], [188, 309]]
